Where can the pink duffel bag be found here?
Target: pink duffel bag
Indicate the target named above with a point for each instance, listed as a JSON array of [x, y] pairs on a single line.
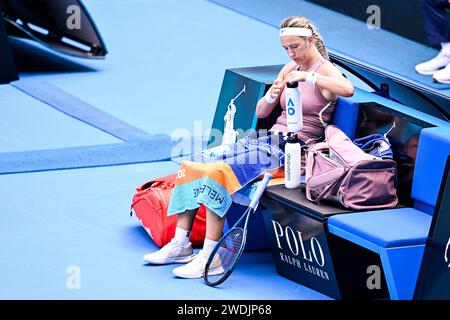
[[339, 171]]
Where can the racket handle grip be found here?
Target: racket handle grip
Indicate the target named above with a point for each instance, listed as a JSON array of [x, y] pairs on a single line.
[[259, 191]]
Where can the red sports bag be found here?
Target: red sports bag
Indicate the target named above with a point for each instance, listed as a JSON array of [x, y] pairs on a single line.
[[150, 204]]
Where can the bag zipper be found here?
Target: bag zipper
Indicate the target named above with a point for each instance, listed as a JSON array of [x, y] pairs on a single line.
[[162, 204], [373, 170]]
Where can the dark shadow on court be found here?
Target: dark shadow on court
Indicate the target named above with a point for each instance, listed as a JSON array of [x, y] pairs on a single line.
[[30, 58]]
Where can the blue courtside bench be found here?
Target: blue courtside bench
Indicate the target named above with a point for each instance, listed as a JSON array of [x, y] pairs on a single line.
[[399, 235], [396, 237]]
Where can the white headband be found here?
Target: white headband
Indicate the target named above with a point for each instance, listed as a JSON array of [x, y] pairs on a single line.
[[295, 31]]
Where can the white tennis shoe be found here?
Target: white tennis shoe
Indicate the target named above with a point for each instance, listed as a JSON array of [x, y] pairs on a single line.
[[172, 252], [443, 76], [434, 65], [196, 268]]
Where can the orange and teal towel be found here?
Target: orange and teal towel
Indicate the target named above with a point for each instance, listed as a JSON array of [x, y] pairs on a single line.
[[214, 176]]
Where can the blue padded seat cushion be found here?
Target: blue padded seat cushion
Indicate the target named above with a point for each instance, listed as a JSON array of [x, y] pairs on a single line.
[[384, 228]]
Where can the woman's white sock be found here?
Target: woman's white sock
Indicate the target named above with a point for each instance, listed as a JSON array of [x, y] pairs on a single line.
[[209, 245], [182, 236]]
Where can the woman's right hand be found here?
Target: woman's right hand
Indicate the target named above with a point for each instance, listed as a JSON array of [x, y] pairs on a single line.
[[276, 88], [267, 103]]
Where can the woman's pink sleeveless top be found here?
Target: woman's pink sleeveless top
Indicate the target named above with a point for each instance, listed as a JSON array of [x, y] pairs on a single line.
[[316, 110]]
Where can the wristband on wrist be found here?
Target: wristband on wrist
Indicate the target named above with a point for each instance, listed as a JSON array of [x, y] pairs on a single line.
[[269, 98], [311, 78]]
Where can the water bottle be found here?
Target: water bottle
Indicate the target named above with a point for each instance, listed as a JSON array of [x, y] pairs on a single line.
[[294, 115], [292, 164]]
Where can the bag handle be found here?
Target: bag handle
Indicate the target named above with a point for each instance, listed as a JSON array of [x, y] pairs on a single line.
[[155, 184], [164, 182], [326, 177], [142, 192]]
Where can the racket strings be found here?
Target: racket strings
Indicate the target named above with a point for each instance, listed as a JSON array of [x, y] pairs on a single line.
[[227, 253]]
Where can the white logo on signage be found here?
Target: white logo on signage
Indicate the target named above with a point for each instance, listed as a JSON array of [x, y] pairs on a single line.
[[446, 254], [296, 244]]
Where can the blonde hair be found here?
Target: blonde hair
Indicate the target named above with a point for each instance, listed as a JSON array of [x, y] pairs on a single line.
[[302, 22]]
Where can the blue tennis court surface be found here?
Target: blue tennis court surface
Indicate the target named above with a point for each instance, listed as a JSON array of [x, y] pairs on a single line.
[[78, 136], [52, 221], [28, 124]]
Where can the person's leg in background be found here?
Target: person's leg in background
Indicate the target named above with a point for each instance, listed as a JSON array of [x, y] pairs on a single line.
[[436, 31], [435, 20]]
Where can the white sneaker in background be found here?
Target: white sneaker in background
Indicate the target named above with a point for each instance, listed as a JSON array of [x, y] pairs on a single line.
[[196, 267], [172, 252], [443, 76], [434, 65]]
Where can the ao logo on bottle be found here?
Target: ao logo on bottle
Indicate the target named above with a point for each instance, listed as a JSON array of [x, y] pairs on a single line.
[[291, 107]]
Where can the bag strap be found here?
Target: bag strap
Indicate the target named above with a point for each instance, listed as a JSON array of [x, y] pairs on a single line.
[[326, 177], [311, 153]]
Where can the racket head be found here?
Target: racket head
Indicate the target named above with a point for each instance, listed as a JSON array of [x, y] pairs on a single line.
[[225, 256]]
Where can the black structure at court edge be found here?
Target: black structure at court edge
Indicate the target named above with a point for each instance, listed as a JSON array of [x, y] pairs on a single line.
[[434, 276], [8, 70], [50, 23]]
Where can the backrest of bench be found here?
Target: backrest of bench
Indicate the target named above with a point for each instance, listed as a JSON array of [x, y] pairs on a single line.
[[419, 147], [403, 133], [434, 147], [345, 116]]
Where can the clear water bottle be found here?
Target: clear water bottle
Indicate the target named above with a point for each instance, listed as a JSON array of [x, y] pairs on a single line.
[[292, 163], [294, 111]]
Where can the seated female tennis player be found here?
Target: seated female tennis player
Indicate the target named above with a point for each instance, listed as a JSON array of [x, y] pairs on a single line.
[[213, 184]]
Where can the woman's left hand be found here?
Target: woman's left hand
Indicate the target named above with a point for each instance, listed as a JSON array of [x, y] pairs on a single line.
[[296, 76]]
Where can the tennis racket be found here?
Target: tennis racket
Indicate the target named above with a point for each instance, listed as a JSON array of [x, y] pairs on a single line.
[[227, 253]]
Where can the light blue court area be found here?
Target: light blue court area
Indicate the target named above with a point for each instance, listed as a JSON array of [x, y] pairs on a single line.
[[166, 61], [29, 124], [55, 222]]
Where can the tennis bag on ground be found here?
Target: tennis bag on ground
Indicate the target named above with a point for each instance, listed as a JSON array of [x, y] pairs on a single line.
[[339, 171], [150, 204]]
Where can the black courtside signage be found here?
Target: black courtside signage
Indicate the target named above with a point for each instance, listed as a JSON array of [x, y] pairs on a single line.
[[434, 278], [447, 253], [304, 254]]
